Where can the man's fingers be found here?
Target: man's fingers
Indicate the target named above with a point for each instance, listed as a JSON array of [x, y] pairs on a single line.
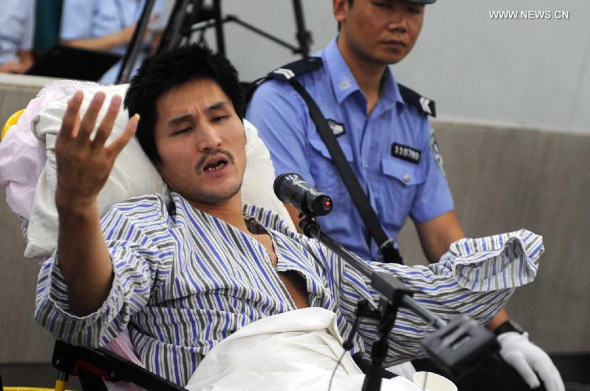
[[106, 125], [119, 143], [81, 130], [71, 117], [89, 120]]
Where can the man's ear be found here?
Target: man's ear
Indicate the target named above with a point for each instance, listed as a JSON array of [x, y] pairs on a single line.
[[339, 8]]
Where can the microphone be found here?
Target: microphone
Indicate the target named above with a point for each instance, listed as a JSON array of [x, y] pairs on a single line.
[[291, 188]]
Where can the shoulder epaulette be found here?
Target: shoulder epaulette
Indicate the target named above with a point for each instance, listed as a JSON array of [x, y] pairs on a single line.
[[296, 68], [423, 104], [285, 73]]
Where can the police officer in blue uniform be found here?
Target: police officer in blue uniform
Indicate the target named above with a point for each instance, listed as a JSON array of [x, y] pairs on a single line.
[[384, 133], [106, 25], [17, 21]]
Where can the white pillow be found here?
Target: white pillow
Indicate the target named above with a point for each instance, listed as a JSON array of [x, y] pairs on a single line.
[[133, 174], [259, 177]]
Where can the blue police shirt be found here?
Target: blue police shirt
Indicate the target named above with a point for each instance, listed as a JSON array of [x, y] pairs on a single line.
[[389, 151], [17, 21], [97, 18]]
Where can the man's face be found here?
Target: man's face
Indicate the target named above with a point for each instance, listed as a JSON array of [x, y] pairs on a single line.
[[201, 141], [378, 31]]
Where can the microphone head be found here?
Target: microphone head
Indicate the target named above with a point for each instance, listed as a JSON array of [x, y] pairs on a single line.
[[291, 188], [321, 205], [283, 183]]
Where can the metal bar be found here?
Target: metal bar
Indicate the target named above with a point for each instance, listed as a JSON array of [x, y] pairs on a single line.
[[219, 27], [233, 18], [135, 45], [303, 36]]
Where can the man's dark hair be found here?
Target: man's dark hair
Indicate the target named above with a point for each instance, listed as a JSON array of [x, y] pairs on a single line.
[[169, 69]]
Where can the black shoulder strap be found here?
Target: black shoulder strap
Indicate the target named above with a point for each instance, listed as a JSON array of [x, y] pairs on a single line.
[[285, 73], [386, 248], [296, 68], [423, 104], [288, 73]]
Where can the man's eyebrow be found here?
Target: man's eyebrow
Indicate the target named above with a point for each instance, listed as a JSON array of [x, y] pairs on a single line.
[[175, 121], [217, 106], [185, 117]]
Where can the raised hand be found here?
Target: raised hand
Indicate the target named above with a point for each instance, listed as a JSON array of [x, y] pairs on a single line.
[[84, 163], [83, 167]]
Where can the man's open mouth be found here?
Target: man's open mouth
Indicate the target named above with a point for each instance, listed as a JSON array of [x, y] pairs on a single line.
[[216, 165]]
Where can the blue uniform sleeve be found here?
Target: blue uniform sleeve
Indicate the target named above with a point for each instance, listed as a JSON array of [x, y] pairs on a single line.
[[433, 197], [76, 19], [26, 42], [281, 117]]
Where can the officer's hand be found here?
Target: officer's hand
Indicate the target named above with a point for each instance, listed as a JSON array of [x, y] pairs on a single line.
[[529, 361], [12, 67]]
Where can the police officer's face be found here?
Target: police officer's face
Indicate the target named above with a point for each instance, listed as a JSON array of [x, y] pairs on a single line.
[[378, 31]]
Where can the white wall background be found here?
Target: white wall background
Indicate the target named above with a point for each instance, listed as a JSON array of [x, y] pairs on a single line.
[[528, 73]]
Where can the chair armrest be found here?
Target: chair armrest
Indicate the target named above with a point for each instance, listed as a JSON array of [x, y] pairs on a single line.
[[75, 360]]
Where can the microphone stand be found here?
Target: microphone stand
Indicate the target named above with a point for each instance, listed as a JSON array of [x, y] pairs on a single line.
[[457, 347], [192, 16]]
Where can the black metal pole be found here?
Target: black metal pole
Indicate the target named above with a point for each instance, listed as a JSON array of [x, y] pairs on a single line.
[[390, 288], [393, 293], [135, 45], [181, 25], [458, 346], [235, 19], [173, 33], [373, 377], [303, 36], [219, 27]]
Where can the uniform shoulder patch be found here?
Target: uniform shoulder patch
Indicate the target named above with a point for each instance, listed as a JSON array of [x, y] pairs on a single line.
[[436, 152], [423, 104], [284, 73], [296, 68]]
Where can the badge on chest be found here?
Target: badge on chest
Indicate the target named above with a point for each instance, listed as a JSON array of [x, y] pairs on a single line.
[[336, 127], [406, 153]]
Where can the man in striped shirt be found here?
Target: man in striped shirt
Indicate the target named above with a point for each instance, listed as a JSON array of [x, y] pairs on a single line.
[[186, 269]]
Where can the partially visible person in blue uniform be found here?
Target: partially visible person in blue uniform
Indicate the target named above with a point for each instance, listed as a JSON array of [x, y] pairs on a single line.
[[388, 149], [108, 25], [17, 21], [388, 142]]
